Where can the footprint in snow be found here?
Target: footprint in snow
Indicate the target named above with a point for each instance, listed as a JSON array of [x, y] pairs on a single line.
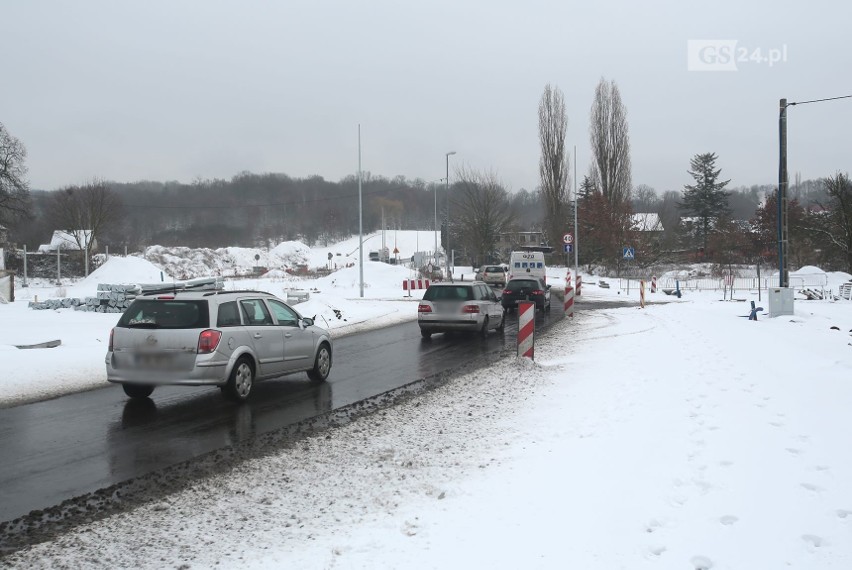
[[815, 489], [728, 520], [701, 563], [812, 541], [843, 514]]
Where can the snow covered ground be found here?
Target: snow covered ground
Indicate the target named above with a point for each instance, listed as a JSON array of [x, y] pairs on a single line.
[[681, 435]]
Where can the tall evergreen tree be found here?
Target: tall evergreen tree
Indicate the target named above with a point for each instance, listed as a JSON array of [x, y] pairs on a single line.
[[707, 199]]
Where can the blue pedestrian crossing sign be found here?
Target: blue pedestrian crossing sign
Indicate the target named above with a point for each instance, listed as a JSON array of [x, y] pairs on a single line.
[[629, 253], [567, 248]]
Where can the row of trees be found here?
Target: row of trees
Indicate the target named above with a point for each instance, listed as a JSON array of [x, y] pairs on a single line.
[[258, 210]]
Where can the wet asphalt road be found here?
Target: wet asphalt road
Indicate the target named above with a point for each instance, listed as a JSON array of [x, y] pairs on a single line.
[[59, 449]]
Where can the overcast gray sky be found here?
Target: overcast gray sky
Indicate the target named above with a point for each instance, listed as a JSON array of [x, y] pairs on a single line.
[[166, 90]]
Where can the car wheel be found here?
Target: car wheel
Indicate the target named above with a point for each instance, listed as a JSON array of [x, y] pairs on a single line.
[[240, 381], [425, 334], [484, 330], [138, 390], [502, 326], [322, 364]]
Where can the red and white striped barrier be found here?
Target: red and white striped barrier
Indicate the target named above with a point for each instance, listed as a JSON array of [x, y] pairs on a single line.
[[526, 329], [409, 284], [569, 302], [579, 282], [568, 279], [653, 284], [642, 294]]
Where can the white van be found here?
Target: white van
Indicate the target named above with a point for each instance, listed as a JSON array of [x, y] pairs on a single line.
[[526, 264]]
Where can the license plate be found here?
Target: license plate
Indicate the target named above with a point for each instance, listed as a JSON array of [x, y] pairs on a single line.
[[154, 361]]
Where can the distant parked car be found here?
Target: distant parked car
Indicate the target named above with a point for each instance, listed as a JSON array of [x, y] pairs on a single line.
[[526, 289], [218, 338], [459, 306], [495, 274]]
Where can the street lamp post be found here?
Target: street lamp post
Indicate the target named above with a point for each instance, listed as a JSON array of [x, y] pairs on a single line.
[[783, 234], [435, 251], [449, 251]]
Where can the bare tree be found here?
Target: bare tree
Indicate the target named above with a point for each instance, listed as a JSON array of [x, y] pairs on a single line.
[[610, 169], [86, 212], [645, 199], [553, 165], [483, 211], [14, 188], [831, 223]]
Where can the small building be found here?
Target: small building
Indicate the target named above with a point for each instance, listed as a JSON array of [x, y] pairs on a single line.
[[513, 241]]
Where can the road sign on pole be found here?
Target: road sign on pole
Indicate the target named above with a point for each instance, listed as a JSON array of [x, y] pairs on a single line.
[[629, 253], [568, 238], [567, 248]]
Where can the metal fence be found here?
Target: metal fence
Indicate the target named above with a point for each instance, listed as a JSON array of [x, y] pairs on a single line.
[[814, 281]]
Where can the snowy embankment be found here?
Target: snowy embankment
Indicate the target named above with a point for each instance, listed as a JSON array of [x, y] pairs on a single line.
[[78, 363], [678, 436]]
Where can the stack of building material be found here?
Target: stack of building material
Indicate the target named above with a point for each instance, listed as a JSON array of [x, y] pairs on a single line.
[[115, 298]]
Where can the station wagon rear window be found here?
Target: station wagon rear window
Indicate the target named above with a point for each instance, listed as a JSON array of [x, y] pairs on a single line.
[[448, 293], [166, 314]]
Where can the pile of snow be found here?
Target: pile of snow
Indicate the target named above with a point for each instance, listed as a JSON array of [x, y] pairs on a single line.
[[189, 263]]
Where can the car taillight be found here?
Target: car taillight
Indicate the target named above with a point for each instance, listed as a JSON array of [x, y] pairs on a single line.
[[470, 309], [537, 292], [424, 309], [111, 336], [208, 341], [166, 297], [507, 292]]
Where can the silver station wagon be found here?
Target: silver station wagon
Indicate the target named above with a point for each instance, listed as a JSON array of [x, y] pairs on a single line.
[[455, 307], [218, 338]]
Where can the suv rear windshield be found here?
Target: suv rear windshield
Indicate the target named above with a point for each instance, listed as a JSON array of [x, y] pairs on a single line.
[[518, 284], [449, 293], [494, 269], [166, 314]]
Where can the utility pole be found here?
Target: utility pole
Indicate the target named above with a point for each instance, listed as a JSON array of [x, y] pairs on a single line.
[[576, 227], [360, 221], [783, 261]]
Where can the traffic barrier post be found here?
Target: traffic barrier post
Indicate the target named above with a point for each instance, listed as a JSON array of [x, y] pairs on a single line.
[[526, 329], [409, 284], [569, 302], [653, 284], [579, 282], [642, 294]]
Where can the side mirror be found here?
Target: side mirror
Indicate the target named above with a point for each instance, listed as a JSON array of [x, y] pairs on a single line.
[[307, 321]]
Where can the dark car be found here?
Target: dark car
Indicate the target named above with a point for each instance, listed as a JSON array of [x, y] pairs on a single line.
[[526, 289]]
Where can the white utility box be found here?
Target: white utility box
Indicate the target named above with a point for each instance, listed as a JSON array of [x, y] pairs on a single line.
[[780, 301]]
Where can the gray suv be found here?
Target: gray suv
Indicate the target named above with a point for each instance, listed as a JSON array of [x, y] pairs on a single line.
[[218, 338]]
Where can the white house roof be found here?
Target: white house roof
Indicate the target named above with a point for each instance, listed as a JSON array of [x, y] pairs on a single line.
[[67, 240], [647, 222]]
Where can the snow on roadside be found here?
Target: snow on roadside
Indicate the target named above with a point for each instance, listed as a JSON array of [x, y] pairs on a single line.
[[681, 436]]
